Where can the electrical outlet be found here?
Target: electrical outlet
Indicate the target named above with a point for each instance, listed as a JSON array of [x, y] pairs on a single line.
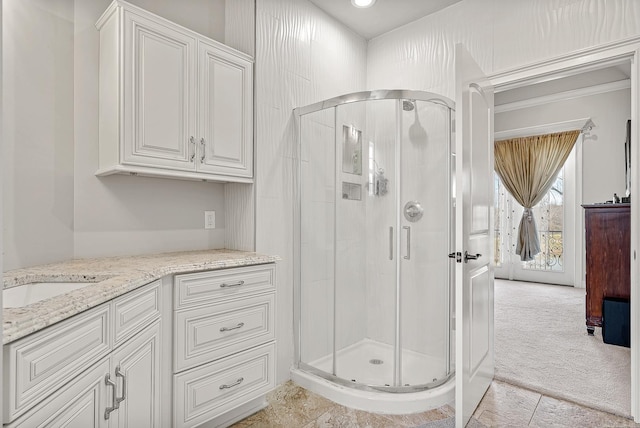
[[209, 219]]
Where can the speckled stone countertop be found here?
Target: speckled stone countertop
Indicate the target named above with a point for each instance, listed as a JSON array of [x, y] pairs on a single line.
[[116, 276]]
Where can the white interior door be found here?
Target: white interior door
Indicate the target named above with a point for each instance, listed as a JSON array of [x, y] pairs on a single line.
[[474, 235]]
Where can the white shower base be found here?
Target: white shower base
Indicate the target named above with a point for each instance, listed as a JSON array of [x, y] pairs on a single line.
[[353, 363]]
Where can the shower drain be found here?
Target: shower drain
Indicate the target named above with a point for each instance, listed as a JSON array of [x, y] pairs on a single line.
[[376, 361]]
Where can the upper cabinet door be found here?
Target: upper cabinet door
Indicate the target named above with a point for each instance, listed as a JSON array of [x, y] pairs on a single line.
[[225, 91], [159, 94]]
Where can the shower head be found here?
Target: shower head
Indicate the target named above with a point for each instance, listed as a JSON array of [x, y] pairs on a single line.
[[417, 134], [408, 105]]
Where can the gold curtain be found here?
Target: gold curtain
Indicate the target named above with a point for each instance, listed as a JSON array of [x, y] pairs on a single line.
[[528, 167]]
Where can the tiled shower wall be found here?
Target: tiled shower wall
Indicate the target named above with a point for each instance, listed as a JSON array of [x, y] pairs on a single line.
[[499, 34], [302, 56]]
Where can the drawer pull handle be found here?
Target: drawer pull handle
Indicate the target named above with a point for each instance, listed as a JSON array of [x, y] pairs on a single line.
[[236, 383], [114, 398], [240, 325], [233, 284], [124, 386]]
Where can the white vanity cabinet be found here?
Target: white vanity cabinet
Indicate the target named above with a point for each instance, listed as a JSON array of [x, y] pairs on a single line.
[[186, 350], [224, 344], [173, 103], [99, 368]]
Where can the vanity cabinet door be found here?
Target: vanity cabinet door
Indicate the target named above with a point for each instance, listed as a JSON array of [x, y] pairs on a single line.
[[37, 365], [159, 94], [136, 370], [80, 404], [225, 91]]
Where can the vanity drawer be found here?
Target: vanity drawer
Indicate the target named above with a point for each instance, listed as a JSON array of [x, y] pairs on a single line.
[[37, 365], [135, 310], [205, 287], [210, 332], [210, 390]]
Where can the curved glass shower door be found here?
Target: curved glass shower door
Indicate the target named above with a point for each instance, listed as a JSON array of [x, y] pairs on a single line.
[[373, 299], [425, 183]]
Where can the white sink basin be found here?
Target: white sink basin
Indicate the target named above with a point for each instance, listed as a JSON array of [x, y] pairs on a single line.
[[27, 294]]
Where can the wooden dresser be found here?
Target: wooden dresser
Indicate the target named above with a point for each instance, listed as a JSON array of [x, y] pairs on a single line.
[[608, 257]]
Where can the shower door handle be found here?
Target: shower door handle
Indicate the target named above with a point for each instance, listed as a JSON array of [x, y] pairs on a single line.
[[408, 229]]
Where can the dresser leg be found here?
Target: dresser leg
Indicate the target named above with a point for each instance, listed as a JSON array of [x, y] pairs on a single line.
[[590, 330]]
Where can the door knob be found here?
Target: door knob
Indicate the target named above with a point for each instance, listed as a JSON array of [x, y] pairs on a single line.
[[468, 256]]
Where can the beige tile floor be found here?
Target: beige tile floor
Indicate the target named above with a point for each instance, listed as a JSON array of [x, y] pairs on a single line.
[[503, 405]]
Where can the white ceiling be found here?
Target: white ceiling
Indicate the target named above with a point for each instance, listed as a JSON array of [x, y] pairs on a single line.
[[383, 16]]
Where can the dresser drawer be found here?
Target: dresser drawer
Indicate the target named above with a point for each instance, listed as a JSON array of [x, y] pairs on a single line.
[[207, 333], [135, 310], [210, 390], [206, 287], [37, 365]]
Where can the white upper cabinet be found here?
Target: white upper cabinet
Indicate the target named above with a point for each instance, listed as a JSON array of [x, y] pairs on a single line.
[[173, 103]]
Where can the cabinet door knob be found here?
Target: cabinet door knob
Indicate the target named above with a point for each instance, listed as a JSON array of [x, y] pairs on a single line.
[[193, 148], [203, 146]]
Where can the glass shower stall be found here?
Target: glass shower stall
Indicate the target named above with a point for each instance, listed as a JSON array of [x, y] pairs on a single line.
[[374, 227]]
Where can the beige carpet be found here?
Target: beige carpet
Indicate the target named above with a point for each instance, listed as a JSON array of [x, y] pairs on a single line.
[[541, 343]]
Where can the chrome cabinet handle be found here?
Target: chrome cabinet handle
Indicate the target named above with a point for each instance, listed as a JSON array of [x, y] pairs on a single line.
[[390, 242], [233, 284], [408, 229], [192, 141], [231, 385], [468, 256], [239, 325], [124, 387], [203, 146], [114, 398]]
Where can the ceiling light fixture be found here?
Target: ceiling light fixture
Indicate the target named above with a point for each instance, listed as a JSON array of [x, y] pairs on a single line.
[[362, 3]]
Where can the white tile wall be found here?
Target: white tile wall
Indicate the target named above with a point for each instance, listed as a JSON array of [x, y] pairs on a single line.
[[302, 56], [239, 203], [500, 34]]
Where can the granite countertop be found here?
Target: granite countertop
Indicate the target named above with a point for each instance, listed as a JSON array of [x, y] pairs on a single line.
[[116, 276]]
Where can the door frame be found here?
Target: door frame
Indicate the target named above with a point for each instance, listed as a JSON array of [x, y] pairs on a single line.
[[570, 64]]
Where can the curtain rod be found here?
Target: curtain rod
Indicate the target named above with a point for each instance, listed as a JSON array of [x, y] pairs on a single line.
[[584, 125]]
